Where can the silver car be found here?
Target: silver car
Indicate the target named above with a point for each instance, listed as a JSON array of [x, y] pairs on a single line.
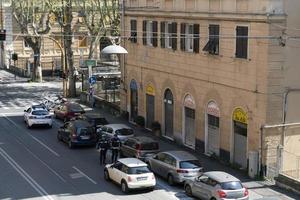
[[216, 185], [123, 131], [175, 166]]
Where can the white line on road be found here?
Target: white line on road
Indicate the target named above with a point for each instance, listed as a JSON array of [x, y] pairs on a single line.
[[37, 140], [25, 175], [86, 176]]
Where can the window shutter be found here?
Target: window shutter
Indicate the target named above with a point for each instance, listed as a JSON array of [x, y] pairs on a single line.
[[133, 28], [174, 36], [196, 38], [245, 42], [162, 34], [144, 32], [182, 36], [241, 43], [154, 35]]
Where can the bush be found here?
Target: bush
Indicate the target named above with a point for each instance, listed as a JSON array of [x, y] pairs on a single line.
[[140, 120], [155, 126]]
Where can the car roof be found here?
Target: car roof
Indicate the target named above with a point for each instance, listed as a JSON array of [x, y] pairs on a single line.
[[143, 139], [132, 162], [117, 126], [181, 155], [220, 176], [38, 107]]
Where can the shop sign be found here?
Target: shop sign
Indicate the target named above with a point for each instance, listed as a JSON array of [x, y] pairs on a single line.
[[150, 90], [239, 115]]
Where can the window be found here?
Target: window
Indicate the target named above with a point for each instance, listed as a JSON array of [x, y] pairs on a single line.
[[241, 50], [150, 33], [189, 37], [212, 45], [168, 35], [133, 31], [26, 45], [161, 157], [170, 160], [82, 41]]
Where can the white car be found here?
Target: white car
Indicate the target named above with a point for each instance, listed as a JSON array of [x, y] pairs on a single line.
[[130, 173], [123, 131], [37, 115]]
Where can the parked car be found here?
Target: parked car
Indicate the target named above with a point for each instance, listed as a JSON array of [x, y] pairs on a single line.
[[95, 119], [216, 185], [68, 110], [139, 147], [130, 173], [123, 131], [175, 166], [77, 132], [37, 115]]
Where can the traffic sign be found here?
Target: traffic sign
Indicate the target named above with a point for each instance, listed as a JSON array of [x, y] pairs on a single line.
[[92, 80], [90, 62]]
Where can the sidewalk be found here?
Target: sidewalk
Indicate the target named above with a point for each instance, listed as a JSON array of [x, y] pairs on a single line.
[[258, 189]]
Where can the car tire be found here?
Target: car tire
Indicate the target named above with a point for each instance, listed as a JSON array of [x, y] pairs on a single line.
[[124, 187], [170, 180], [151, 189], [188, 190], [106, 175], [70, 144]]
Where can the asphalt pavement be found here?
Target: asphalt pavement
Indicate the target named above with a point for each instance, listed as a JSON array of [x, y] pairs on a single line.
[[35, 165]]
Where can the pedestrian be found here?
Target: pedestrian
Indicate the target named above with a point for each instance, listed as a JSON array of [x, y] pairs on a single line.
[[103, 145], [115, 148]]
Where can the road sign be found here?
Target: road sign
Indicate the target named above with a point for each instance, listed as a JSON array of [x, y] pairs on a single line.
[[90, 62], [92, 80]]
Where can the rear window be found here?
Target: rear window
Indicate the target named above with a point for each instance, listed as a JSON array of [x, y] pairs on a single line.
[[124, 131], [189, 164], [233, 185], [85, 131], [40, 112], [138, 170], [75, 108], [150, 146]]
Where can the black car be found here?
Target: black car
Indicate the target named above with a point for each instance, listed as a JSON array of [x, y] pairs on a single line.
[[78, 132]]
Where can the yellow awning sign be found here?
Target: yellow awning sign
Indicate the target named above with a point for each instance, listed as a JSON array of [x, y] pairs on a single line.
[[150, 90], [239, 115]]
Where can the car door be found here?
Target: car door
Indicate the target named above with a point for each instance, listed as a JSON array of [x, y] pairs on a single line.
[[200, 187], [168, 165], [114, 172], [157, 164], [66, 132]]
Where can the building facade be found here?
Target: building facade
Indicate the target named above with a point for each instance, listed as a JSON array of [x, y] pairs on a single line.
[[211, 72]]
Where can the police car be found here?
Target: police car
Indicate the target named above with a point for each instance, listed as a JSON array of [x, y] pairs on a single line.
[[37, 115]]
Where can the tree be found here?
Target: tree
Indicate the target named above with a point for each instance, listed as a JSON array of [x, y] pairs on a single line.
[[33, 19], [101, 18]]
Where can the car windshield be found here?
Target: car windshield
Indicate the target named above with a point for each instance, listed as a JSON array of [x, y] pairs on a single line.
[[124, 131], [190, 164], [75, 108], [40, 112], [150, 146], [233, 185], [138, 170], [84, 131]]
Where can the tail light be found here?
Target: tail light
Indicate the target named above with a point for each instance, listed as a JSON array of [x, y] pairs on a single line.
[[246, 192], [129, 179], [73, 135], [181, 171], [152, 177], [221, 194]]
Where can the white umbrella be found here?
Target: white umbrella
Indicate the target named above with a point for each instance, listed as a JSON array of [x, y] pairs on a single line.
[[114, 49]]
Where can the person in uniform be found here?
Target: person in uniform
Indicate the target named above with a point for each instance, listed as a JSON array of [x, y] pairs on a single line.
[[115, 148], [103, 145]]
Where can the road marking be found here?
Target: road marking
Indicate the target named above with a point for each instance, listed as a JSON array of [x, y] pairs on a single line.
[[76, 175], [37, 140], [25, 175], [86, 176]]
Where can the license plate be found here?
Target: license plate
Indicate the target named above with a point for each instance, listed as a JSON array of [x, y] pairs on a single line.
[[85, 137], [141, 178]]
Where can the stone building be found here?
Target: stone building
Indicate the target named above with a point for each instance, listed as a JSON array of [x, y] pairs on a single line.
[[213, 72]]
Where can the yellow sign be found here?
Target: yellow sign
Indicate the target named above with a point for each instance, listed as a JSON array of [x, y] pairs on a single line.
[[240, 115], [150, 90]]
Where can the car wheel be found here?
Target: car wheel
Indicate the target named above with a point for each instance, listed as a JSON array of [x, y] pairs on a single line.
[[70, 144], [151, 189], [170, 180], [124, 187], [188, 190], [106, 175]]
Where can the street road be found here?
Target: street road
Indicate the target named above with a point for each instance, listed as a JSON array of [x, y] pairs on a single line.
[[34, 165]]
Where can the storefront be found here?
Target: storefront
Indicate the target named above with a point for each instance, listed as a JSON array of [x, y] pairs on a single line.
[[212, 130], [240, 122], [133, 100], [168, 114], [189, 121], [150, 105]]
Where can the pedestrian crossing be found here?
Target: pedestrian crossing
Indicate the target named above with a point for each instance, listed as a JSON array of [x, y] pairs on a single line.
[[17, 104]]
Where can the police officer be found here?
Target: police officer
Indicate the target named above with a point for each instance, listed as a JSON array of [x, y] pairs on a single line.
[[115, 148], [103, 145]]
